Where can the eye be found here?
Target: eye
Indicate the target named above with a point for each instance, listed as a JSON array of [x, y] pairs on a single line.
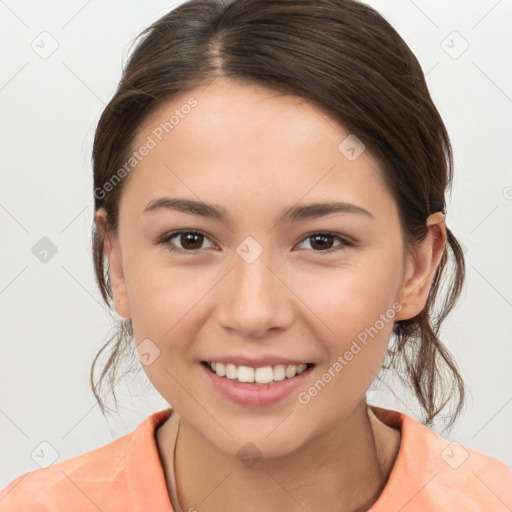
[[191, 241], [323, 241]]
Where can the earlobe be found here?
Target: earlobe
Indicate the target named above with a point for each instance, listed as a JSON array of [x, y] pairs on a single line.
[[113, 253], [421, 267]]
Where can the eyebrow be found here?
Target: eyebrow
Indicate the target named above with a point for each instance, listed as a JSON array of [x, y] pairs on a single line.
[[216, 212]]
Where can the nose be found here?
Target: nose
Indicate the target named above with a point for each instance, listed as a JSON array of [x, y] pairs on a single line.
[[254, 298]]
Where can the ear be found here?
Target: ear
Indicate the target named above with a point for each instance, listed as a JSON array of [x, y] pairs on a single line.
[[112, 250], [420, 269]]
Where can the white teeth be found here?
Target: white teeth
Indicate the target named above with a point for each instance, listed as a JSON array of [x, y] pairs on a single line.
[[219, 369], [245, 374], [231, 372], [291, 371], [279, 372], [301, 368], [262, 375]]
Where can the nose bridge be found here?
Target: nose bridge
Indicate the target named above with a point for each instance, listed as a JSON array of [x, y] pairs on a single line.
[[253, 278], [252, 297]]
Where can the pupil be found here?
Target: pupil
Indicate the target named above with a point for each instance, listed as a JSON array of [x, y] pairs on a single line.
[[322, 237], [189, 239]]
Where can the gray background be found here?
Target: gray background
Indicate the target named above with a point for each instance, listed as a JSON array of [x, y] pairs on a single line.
[[52, 318]]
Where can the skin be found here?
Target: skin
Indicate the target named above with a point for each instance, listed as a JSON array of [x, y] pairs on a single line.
[[256, 152]]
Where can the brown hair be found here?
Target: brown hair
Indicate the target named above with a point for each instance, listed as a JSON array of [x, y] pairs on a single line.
[[344, 57]]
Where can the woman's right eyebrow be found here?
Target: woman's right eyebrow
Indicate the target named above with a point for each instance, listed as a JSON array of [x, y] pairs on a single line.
[[292, 214]]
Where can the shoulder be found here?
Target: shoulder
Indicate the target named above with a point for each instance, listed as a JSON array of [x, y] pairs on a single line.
[[55, 486], [432, 473], [98, 479]]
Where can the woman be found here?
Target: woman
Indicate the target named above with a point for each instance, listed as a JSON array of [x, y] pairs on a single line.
[[269, 184]]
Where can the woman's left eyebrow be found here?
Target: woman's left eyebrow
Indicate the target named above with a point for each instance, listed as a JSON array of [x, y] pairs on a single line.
[[292, 214]]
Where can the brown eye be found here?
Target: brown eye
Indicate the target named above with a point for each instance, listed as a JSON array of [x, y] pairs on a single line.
[[323, 242], [187, 241]]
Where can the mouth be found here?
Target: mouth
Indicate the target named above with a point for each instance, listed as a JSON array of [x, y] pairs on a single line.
[[261, 376]]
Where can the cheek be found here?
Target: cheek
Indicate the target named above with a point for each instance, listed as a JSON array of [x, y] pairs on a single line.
[[360, 319], [356, 306], [163, 298], [353, 298], [165, 304]]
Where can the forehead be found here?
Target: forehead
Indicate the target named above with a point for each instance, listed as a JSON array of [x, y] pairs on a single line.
[[227, 138], [238, 118]]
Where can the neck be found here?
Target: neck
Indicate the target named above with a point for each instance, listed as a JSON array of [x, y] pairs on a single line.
[[344, 469]]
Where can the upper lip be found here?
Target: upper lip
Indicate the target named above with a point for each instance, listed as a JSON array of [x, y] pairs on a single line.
[[256, 362]]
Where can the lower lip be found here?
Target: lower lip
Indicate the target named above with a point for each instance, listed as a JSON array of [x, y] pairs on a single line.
[[255, 394]]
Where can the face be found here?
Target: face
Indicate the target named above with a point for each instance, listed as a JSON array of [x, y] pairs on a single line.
[[319, 287]]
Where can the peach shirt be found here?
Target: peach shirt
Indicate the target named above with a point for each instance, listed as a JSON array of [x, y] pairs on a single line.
[[126, 475]]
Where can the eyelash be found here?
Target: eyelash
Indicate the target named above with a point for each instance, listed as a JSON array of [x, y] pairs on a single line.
[[165, 240]]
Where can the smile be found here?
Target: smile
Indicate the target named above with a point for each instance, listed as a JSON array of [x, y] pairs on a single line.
[[256, 387], [261, 375]]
